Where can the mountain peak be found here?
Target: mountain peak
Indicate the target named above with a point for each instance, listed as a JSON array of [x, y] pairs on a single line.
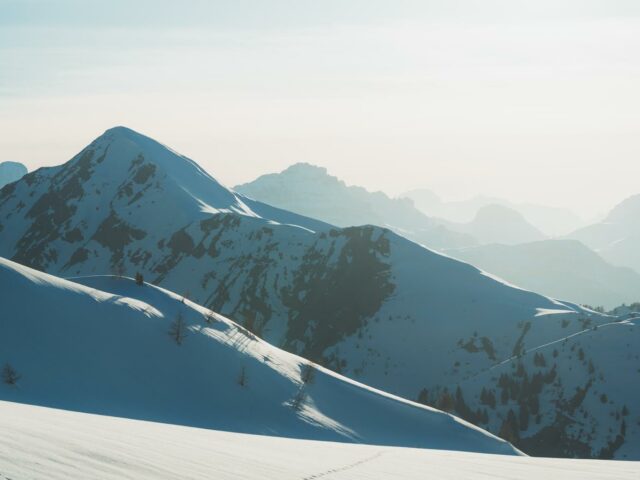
[[10, 172], [495, 211], [123, 187], [495, 223], [122, 130], [625, 211], [144, 142], [306, 168]]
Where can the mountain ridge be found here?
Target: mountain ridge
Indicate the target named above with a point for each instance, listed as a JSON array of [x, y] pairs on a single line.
[[363, 301], [616, 237], [561, 268], [310, 190], [495, 223]]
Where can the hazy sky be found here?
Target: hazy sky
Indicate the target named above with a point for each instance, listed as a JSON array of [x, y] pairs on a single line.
[[530, 100]]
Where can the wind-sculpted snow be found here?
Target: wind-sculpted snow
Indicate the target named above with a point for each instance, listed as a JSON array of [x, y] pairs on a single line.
[[362, 301], [46, 444], [117, 348]]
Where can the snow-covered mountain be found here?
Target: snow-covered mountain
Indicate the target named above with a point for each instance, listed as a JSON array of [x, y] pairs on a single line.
[[116, 347], [309, 190], [498, 224], [558, 268], [48, 444], [10, 172], [552, 221], [617, 237], [361, 300]]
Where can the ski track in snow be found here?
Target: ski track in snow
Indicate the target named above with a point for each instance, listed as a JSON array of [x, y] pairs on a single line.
[[345, 468]]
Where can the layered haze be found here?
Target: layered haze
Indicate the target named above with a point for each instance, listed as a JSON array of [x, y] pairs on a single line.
[[534, 102]]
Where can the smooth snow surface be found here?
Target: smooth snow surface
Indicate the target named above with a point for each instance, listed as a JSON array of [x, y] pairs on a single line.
[[43, 443], [106, 348]]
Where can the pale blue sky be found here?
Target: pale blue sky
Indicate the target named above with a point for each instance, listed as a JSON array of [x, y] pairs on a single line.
[[535, 101]]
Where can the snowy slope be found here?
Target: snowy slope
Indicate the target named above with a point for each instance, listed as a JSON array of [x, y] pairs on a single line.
[[84, 349], [558, 268], [311, 191], [617, 237], [10, 172], [41, 443], [362, 300]]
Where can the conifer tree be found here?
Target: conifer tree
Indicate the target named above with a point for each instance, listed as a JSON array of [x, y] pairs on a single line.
[[9, 375], [178, 330]]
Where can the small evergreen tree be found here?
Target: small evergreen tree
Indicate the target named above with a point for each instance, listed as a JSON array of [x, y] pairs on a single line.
[[178, 330], [307, 374], [538, 360], [445, 401], [119, 269], [523, 417], [509, 429], [487, 397], [534, 404], [299, 399], [504, 396], [242, 378], [9, 375], [250, 322], [423, 396]]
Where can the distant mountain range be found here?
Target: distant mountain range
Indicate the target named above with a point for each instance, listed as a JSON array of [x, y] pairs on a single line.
[[10, 172], [560, 268], [495, 223], [309, 190], [551, 221], [362, 301], [484, 239], [617, 237]]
